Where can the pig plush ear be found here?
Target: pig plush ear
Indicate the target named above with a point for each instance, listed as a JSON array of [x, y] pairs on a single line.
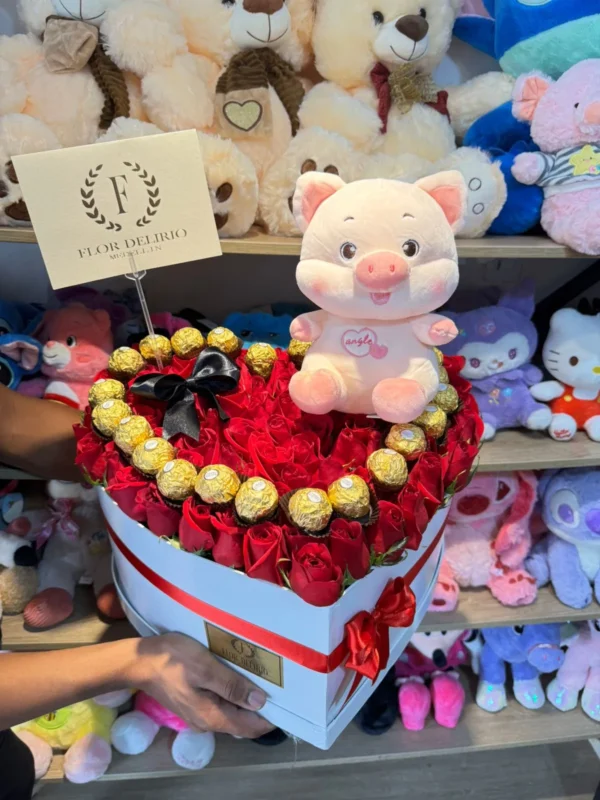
[[312, 189], [528, 91], [449, 191]]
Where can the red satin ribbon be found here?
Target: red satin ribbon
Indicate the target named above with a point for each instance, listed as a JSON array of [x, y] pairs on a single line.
[[286, 648]]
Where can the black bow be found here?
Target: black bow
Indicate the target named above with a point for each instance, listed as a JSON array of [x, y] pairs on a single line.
[[214, 373]]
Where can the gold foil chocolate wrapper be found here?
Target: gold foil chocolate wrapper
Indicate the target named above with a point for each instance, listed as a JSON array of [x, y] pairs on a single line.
[[444, 377], [176, 480], [256, 500], [350, 497], [107, 415], [297, 350], [408, 440], [188, 343], [152, 455], [433, 421], [310, 510], [224, 340], [155, 347], [439, 355], [388, 469], [260, 359], [105, 389], [131, 432], [125, 363], [217, 484], [447, 398]]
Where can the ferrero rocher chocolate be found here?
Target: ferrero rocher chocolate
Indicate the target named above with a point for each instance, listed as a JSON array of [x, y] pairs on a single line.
[[217, 484], [260, 359], [107, 415], [155, 347], [447, 398], [188, 343], [151, 456], [350, 497], [224, 340], [444, 377], [256, 500], [176, 480], [388, 469], [310, 510], [439, 355], [125, 363], [131, 432], [433, 421], [297, 350], [408, 440], [105, 389]]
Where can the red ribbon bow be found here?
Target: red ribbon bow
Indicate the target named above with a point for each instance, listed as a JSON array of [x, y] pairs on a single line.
[[368, 634]]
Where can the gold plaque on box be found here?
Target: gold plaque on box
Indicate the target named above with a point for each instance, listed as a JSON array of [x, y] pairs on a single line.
[[244, 654]]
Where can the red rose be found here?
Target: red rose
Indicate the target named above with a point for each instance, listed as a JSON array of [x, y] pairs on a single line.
[[459, 462], [295, 539], [123, 489], [284, 405], [279, 428], [355, 445], [161, 519], [348, 546], [114, 461], [416, 518], [264, 549], [307, 450], [281, 374], [229, 540], [321, 424], [454, 366], [427, 476], [152, 410], [314, 577], [389, 529], [90, 453], [196, 530], [330, 470], [237, 432], [468, 425]]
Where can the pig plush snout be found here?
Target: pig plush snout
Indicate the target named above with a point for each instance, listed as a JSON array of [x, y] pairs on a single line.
[[546, 657], [591, 115], [381, 271]]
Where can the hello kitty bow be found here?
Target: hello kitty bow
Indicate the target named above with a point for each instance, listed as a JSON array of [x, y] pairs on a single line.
[[61, 521]]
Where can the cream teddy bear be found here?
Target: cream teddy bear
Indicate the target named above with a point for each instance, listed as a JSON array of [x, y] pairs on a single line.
[[377, 61]]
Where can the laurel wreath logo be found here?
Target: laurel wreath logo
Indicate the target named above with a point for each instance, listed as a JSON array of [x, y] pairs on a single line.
[[88, 198]]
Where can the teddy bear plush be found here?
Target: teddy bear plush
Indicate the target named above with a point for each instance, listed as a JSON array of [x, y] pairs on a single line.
[[18, 559], [565, 125], [488, 537], [580, 672], [20, 353], [378, 61], [571, 356], [530, 650], [498, 343], [377, 276]]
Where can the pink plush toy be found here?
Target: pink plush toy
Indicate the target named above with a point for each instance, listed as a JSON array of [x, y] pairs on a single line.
[[377, 256], [427, 674], [78, 343], [488, 537], [565, 124], [581, 670]]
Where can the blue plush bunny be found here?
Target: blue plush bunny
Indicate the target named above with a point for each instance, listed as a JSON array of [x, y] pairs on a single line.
[[20, 353], [530, 650], [525, 35]]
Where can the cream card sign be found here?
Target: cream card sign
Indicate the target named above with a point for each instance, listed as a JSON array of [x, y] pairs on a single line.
[[94, 207]]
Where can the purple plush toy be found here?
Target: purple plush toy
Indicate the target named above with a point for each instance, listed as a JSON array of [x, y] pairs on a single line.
[[497, 343]]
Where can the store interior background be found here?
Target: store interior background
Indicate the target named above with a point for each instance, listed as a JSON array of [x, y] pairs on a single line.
[[243, 282]]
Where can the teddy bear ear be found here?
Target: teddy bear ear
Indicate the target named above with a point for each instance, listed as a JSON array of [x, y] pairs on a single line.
[[312, 189], [449, 191], [529, 90], [102, 318]]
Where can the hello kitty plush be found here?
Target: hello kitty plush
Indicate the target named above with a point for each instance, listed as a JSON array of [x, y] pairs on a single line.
[[497, 343], [565, 125], [78, 343], [378, 257], [488, 537], [572, 357]]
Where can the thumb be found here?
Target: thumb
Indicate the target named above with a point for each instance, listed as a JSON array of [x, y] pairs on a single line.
[[233, 687]]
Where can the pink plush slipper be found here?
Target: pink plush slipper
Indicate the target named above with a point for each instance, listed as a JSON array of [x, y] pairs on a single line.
[[399, 400], [317, 392], [48, 608], [414, 702], [448, 699]]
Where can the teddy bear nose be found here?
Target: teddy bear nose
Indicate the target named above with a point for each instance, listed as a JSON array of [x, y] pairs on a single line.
[[592, 520], [263, 6], [381, 271], [413, 26], [592, 114]]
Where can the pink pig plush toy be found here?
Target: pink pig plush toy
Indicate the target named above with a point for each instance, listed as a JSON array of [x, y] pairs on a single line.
[[378, 256], [565, 124]]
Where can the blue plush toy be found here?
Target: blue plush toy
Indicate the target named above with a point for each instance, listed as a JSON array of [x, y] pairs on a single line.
[[526, 35], [20, 353], [260, 327], [530, 650]]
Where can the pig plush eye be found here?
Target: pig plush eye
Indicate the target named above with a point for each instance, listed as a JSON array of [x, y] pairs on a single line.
[[71, 341], [348, 251], [410, 248]]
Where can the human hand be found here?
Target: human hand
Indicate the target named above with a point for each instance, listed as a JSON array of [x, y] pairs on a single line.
[[188, 680]]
